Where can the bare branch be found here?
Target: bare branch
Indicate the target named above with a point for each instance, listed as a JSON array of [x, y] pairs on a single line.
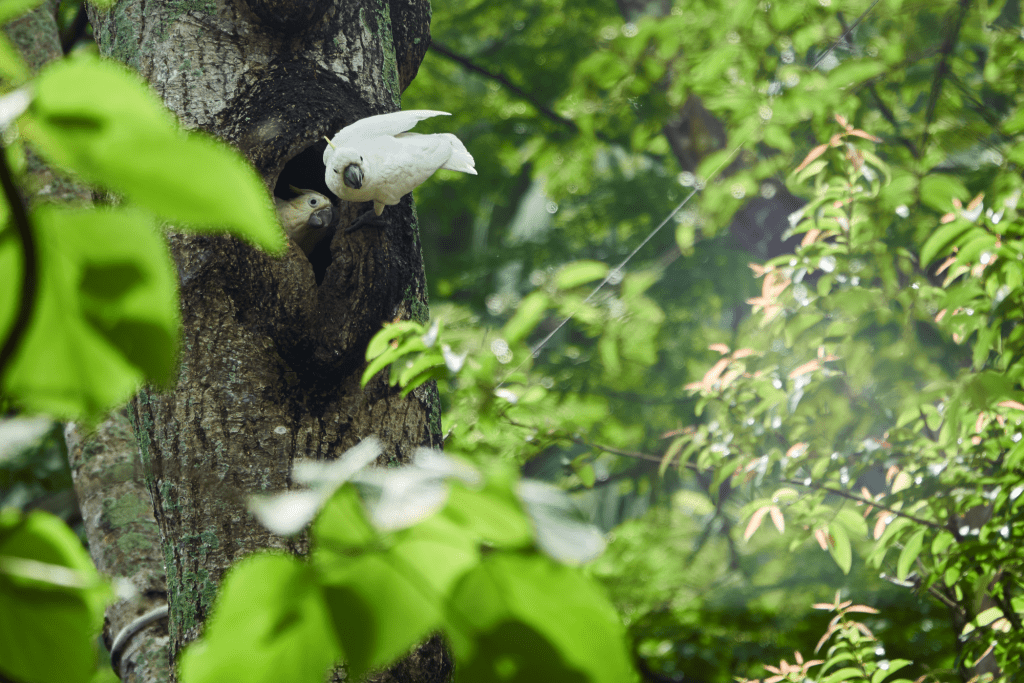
[[942, 69], [500, 78]]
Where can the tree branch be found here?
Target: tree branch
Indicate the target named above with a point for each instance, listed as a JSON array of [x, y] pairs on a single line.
[[882, 107], [860, 499], [940, 72], [846, 32], [30, 258], [795, 482], [500, 78]]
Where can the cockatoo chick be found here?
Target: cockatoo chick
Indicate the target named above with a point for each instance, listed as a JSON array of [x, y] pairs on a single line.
[[307, 218], [376, 159]]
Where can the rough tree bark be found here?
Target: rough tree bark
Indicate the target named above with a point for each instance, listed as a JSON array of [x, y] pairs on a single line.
[[270, 361], [124, 542]]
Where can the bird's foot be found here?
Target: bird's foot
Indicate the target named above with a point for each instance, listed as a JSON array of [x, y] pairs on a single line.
[[367, 218]]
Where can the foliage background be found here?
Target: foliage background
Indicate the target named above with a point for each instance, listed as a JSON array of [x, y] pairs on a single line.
[[883, 359]]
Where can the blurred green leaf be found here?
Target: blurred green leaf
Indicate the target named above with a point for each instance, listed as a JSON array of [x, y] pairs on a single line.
[[530, 312], [12, 65], [525, 618], [840, 548], [51, 601], [942, 239], [581, 272], [939, 189], [910, 552], [383, 602], [96, 119], [12, 9], [291, 631], [106, 318]]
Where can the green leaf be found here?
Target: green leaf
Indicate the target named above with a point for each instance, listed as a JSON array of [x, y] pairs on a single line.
[[379, 363], [839, 547], [911, 549], [12, 9], [530, 311], [586, 474], [522, 617], [341, 523], [989, 615], [96, 119], [987, 388], [1016, 153], [671, 452], [434, 372], [853, 520], [779, 137], [384, 602], [608, 346], [580, 272], [12, 65], [942, 541], [381, 341], [844, 674], [51, 601], [894, 666], [106, 317], [854, 71], [939, 189], [492, 515], [249, 638], [941, 241], [426, 360], [811, 169], [636, 283]]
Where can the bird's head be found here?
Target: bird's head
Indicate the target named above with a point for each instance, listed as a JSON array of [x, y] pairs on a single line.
[[323, 216], [353, 176], [315, 205], [314, 201], [348, 166], [308, 200]]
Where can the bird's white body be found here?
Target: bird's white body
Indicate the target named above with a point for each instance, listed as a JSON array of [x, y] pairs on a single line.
[[376, 159]]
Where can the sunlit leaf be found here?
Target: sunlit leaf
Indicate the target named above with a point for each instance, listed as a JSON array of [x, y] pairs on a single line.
[[524, 618], [579, 273], [911, 549], [106, 317], [51, 600], [840, 548], [291, 631], [96, 119]]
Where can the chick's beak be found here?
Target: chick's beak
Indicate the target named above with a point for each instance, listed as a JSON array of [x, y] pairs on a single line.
[[322, 218], [353, 176]]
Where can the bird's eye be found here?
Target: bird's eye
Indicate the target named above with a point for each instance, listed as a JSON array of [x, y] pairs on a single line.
[[312, 202], [360, 160]]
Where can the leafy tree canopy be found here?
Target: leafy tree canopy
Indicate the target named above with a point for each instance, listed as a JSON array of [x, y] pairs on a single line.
[[801, 435]]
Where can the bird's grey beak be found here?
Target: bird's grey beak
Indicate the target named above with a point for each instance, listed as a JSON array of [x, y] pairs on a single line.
[[353, 176], [322, 218]]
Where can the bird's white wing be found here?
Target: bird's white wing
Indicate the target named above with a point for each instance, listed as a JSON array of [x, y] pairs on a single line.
[[384, 124]]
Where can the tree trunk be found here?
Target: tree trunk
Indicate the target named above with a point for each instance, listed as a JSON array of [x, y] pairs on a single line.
[[124, 542], [270, 362]]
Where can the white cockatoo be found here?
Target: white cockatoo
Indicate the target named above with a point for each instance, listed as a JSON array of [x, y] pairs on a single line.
[[306, 218], [376, 159]]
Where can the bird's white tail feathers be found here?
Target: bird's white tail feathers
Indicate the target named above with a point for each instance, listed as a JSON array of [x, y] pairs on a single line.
[[461, 159]]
